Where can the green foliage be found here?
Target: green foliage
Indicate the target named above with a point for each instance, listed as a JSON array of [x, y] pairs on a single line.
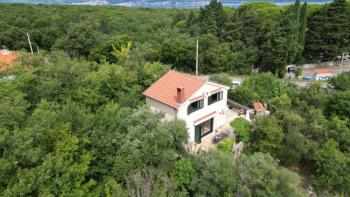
[[242, 128], [341, 82], [13, 106], [295, 144], [328, 31], [212, 18], [105, 50], [267, 135], [78, 126], [261, 87], [301, 36], [259, 176], [226, 145], [79, 40], [215, 174], [183, 173], [339, 104], [332, 168], [221, 78], [123, 53]]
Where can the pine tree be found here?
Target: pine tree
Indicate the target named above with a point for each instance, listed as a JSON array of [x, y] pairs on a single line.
[[302, 30], [328, 31], [212, 18], [233, 32], [290, 28], [191, 19]]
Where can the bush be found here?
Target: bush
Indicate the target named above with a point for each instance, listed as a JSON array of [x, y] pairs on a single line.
[[225, 146], [242, 128], [221, 78]]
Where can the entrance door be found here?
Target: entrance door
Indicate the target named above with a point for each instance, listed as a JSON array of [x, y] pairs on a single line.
[[203, 129]]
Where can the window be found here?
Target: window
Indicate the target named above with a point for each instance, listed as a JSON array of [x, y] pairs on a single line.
[[215, 98], [203, 129], [195, 106]]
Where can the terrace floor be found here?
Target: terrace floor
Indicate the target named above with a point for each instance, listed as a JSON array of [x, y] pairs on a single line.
[[207, 142]]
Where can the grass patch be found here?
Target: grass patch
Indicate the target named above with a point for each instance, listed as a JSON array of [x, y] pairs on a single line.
[[242, 128]]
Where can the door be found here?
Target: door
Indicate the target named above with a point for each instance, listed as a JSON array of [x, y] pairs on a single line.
[[197, 134], [203, 129]]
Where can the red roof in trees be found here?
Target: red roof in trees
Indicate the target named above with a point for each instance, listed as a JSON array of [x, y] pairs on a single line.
[[258, 106], [324, 71], [7, 59], [165, 89]]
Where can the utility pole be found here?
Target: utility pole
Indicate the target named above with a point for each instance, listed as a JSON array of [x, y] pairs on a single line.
[[30, 44], [343, 57], [197, 59]]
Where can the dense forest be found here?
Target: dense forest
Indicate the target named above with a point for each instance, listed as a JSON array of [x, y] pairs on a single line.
[[73, 121], [254, 35]]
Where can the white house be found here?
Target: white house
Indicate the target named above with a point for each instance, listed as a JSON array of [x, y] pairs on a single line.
[[323, 74], [200, 103]]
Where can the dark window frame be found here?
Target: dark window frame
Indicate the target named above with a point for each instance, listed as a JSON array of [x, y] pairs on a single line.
[[218, 95], [191, 109], [199, 127]]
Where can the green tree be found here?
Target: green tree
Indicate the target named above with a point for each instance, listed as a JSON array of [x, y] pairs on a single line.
[[267, 135], [79, 40], [215, 174], [105, 49], [341, 82], [339, 104], [183, 173], [302, 32], [243, 128], [259, 175], [328, 31], [13, 106], [222, 78], [212, 18], [261, 87], [332, 172]]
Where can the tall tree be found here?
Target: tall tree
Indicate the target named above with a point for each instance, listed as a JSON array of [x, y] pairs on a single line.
[[328, 31], [212, 18], [302, 31]]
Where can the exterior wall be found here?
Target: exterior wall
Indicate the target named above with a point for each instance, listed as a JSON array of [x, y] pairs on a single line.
[[156, 106], [198, 116], [219, 108], [324, 76]]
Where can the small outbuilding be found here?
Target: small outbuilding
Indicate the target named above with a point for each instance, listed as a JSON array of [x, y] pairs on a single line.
[[260, 110]]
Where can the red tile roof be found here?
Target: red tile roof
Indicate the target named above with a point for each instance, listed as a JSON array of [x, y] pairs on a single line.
[[7, 59], [258, 106], [165, 89], [324, 71]]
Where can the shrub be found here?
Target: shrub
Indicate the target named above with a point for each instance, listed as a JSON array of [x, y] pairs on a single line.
[[226, 145], [242, 128], [222, 78]]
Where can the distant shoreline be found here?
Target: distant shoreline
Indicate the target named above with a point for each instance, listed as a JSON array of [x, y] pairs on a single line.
[[163, 4]]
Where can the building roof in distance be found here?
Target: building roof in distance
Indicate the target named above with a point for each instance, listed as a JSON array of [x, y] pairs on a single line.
[[324, 71], [7, 59], [258, 106]]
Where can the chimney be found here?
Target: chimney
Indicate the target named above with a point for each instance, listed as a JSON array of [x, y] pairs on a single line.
[[180, 96]]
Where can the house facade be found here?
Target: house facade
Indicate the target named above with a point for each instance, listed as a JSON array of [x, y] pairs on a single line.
[[323, 74], [200, 103]]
